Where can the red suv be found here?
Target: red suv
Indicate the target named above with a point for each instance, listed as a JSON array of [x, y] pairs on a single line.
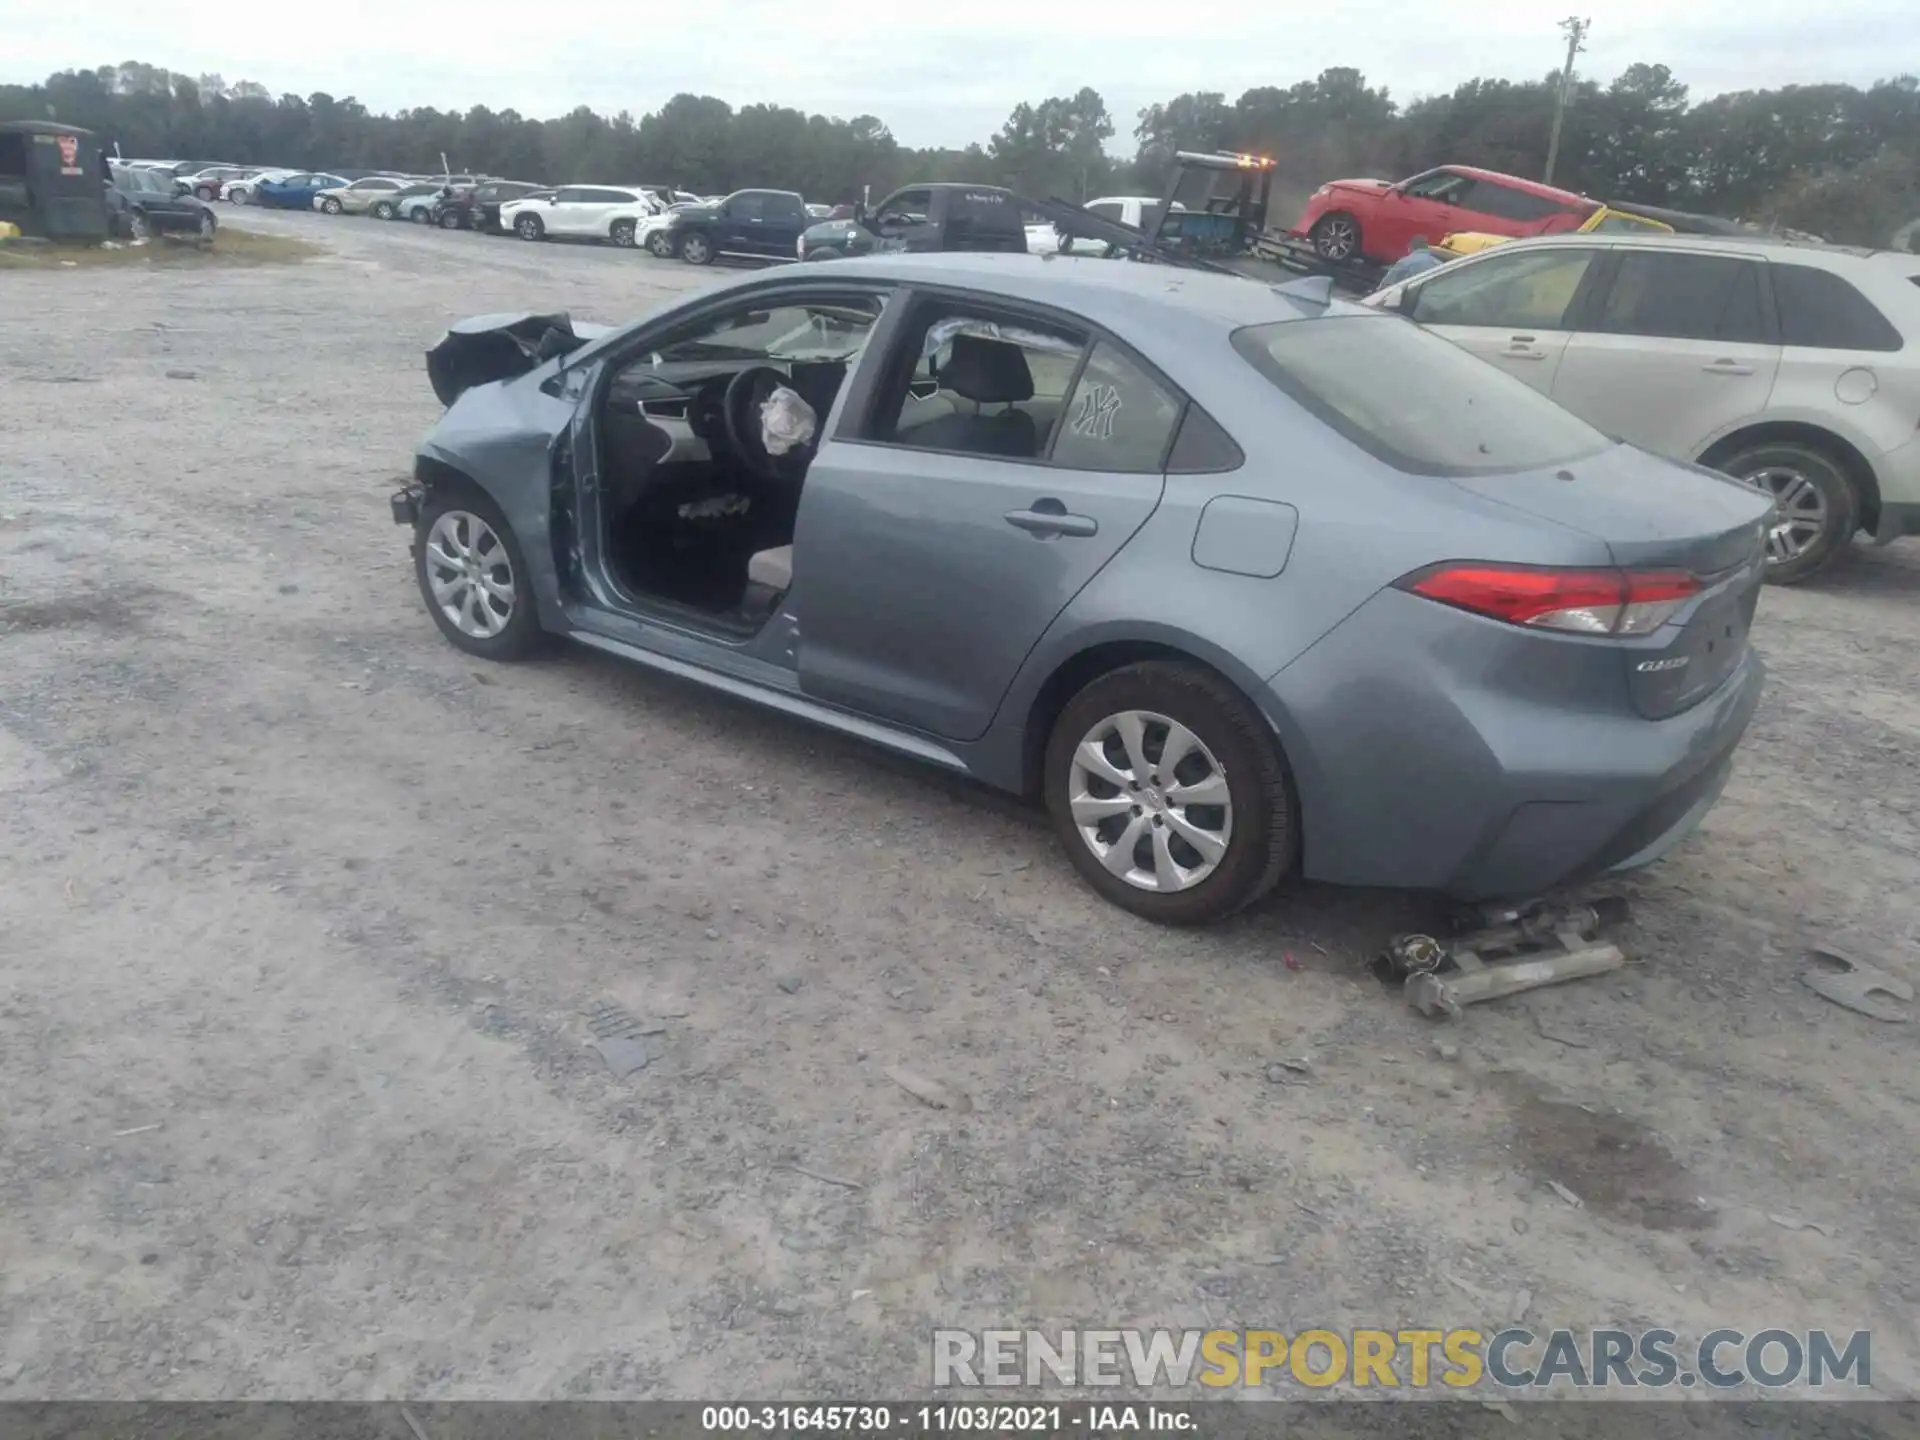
[[1373, 220]]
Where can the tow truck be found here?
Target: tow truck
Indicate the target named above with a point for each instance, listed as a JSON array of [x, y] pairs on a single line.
[[1213, 216]]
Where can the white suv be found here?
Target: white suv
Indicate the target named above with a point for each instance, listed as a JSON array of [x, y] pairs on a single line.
[[1794, 367]]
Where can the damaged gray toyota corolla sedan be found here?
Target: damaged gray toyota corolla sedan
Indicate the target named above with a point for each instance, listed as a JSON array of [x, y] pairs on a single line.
[[1242, 581]]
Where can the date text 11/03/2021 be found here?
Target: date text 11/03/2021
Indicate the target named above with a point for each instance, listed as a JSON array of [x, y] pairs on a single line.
[[908, 1420]]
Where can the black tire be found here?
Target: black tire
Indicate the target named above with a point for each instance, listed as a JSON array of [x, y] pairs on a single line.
[[530, 227], [206, 193], [422, 215], [382, 210], [522, 636], [330, 206], [1265, 835], [622, 234], [1336, 236], [452, 220], [1772, 464], [660, 244], [826, 252], [696, 249]]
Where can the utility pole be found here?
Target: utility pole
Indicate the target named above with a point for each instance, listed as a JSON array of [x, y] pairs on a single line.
[[1576, 29]]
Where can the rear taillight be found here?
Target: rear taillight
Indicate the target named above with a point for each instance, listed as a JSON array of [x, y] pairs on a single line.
[[1584, 602]]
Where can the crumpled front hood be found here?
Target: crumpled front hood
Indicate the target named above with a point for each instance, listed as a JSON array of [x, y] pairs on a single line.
[[486, 348]]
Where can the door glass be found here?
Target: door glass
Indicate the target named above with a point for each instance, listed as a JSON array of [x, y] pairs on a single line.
[[1684, 297], [910, 206], [746, 207], [1509, 292], [823, 330], [568, 197], [1444, 187], [980, 385], [1118, 418]]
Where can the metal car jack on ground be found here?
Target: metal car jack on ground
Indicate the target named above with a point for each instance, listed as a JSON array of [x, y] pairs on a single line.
[[1525, 949]]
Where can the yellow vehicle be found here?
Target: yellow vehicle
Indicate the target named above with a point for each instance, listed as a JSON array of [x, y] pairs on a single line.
[[1605, 219]]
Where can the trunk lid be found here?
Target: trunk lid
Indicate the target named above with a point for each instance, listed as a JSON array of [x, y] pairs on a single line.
[[1656, 514]]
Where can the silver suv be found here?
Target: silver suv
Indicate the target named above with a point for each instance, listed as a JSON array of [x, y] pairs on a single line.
[[1794, 367]]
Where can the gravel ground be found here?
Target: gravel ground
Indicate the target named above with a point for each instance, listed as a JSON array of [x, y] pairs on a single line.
[[305, 920]]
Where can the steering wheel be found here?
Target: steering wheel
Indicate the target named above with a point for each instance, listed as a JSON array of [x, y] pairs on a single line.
[[746, 393]]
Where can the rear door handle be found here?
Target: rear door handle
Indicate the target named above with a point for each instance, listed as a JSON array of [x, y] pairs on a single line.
[[1052, 521], [1726, 367]]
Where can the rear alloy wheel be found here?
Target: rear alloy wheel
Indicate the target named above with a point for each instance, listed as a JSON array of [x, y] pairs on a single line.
[[1336, 236], [422, 215], [1169, 794], [696, 250], [330, 206], [622, 234], [1815, 507], [449, 219], [528, 227], [473, 577], [207, 192], [382, 210], [660, 243]]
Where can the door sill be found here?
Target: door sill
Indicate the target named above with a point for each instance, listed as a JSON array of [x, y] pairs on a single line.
[[875, 732]]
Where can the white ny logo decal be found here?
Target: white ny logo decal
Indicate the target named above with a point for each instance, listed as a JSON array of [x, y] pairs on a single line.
[[1097, 409]]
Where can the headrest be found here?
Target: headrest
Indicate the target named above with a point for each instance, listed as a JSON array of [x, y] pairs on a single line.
[[987, 372]]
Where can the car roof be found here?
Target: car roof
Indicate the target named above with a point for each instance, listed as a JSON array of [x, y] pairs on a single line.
[[1712, 244], [1117, 293]]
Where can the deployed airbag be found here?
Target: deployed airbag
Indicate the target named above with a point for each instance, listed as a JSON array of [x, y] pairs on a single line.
[[786, 421]]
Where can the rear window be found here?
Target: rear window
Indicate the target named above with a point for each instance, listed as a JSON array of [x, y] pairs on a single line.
[[1819, 309], [1412, 399]]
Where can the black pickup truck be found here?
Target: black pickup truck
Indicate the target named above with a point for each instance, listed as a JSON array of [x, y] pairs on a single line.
[[747, 225], [925, 217]]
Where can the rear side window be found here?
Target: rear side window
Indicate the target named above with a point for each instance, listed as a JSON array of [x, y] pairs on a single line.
[[1820, 310], [1118, 418], [1684, 297], [1511, 204], [1413, 400], [1202, 447]]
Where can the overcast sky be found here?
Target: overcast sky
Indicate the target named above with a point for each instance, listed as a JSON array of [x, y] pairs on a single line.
[[941, 74]]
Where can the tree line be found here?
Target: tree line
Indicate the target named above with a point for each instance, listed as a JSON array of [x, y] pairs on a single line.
[[1838, 160]]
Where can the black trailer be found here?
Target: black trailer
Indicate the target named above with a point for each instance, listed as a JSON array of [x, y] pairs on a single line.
[[53, 180], [1685, 222]]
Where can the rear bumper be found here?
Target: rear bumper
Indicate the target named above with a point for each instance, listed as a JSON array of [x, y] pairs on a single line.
[[1896, 521], [1897, 473], [1423, 762]]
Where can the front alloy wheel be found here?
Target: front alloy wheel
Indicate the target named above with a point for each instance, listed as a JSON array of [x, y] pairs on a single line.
[[622, 234], [1336, 237], [1169, 793], [330, 206], [696, 250], [529, 227], [473, 577], [660, 243]]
